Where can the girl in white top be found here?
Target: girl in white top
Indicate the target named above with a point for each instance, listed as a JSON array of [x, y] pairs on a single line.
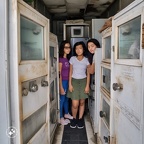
[[79, 80], [92, 44]]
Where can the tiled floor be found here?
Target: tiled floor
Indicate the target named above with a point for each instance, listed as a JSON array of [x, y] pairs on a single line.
[[67, 135]]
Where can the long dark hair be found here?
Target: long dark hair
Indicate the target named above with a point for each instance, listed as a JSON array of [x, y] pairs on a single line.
[[83, 45], [61, 49], [90, 55]]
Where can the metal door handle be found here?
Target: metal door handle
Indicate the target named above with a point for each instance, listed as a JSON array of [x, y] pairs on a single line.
[[33, 87], [44, 83], [24, 92], [102, 114], [117, 86], [106, 139]]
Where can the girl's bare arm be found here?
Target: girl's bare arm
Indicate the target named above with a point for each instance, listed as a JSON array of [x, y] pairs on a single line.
[[70, 78], [88, 82], [91, 68], [62, 92]]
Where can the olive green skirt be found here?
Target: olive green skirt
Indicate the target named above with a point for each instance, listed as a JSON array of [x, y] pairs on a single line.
[[79, 87]]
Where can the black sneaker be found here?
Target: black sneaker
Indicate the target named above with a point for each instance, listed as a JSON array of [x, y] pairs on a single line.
[[80, 123], [73, 123]]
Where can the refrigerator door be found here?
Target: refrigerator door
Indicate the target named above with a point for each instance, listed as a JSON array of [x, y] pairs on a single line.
[[74, 40]]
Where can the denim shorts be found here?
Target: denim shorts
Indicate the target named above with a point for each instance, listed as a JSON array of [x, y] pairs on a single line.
[[79, 87]]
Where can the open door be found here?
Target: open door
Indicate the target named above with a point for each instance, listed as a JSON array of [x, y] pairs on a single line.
[[94, 98], [127, 76], [105, 84], [54, 85], [30, 75]]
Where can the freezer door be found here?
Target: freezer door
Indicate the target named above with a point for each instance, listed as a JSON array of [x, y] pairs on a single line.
[[74, 40]]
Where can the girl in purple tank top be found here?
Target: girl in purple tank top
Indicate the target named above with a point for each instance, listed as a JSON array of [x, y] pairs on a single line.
[[64, 52]]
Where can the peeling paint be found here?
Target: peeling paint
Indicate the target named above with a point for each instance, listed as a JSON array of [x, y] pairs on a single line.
[[31, 71], [129, 113], [128, 72]]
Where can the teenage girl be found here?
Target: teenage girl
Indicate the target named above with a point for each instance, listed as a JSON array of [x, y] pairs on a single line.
[[79, 80], [64, 66], [92, 44]]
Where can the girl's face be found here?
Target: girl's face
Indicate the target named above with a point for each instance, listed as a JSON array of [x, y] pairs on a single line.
[[67, 48], [79, 50], [91, 47]]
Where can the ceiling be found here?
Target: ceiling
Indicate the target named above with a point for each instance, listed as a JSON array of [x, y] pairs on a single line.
[[77, 9]]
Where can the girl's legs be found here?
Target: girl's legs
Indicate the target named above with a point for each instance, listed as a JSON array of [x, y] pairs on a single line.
[[80, 123], [62, 98], [67, 115], [81, 108], [65, 103], [75, 104], [62, 120]]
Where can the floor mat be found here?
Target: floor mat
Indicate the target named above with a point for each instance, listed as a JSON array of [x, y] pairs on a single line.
[[74, 136]]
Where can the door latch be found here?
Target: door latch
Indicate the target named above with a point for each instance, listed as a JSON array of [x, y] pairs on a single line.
[[24, 92], [44, 83], [33, 87], [107, 139], [102, 114], [117, 86]]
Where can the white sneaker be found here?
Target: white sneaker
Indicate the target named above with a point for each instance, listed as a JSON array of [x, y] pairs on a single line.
[[67, 120], [68, 116], [63, 122]]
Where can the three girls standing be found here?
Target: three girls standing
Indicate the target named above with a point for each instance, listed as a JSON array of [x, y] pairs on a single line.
[[77, 76]]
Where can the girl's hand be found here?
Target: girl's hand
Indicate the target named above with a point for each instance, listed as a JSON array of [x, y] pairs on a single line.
[[62, 92], [91, 68], [88, 68], [87, 89], [71, 88]]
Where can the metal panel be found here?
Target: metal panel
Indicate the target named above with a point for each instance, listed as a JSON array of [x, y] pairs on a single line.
[[33, 124], [4, 79], [34, 100], [40, 136]]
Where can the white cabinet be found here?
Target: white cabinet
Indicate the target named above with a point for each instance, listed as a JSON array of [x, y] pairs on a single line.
[[33, 68], [54, 85], [33, 77], [94, 98], [127, 75], [105, 86], [121, 99]]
